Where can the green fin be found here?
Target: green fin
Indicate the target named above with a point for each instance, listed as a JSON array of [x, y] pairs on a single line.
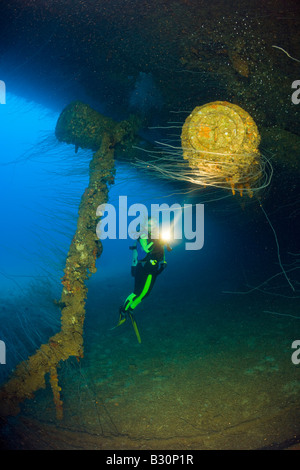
[[120, 322], [135, 328]]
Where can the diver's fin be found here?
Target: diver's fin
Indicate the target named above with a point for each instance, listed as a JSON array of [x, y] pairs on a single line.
[[120, 322], [122, 319], [135, 327]]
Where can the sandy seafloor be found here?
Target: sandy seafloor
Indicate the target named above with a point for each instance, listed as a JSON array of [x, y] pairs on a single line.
[[212, 376]]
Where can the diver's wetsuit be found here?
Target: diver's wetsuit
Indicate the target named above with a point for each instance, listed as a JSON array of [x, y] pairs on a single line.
[[148, 262]]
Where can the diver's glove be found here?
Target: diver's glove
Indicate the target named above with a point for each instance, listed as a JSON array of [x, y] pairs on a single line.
[[162, 267]]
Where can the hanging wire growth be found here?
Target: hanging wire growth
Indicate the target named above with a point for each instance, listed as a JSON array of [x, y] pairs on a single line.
[[219, 149]]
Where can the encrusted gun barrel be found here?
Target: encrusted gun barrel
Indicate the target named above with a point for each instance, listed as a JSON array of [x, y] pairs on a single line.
[[84, 127]]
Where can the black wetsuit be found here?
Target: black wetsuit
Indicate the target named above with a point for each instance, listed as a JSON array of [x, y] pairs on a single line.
[[150, 263]]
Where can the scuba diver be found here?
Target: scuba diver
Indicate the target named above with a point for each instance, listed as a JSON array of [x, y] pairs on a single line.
[[148, 261]]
